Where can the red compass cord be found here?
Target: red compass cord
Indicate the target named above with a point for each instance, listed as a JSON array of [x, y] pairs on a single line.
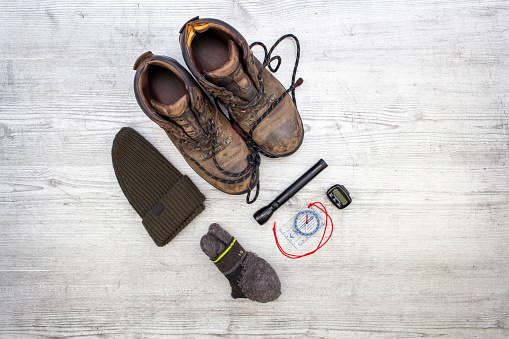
[[320, 245]]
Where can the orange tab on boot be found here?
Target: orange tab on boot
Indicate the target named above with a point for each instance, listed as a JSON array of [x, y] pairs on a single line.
[[193, 28]]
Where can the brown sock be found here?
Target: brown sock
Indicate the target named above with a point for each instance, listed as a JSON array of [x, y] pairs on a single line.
[[249, 275]]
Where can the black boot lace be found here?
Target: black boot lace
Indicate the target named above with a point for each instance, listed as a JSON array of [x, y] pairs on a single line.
[[267, 62], [210, 143], [254, 156]]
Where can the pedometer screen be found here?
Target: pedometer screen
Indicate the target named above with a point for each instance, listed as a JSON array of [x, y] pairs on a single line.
[[340, 196]]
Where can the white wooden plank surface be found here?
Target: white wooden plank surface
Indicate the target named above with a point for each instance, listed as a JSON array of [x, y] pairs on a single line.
[[406, 101]]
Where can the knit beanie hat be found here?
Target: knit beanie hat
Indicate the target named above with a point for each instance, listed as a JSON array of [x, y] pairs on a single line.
[[165, 199]]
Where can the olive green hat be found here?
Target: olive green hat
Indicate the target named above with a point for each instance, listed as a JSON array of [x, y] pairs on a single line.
[[165, 199]]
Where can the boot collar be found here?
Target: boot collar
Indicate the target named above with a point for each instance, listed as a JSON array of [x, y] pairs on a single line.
[[196, 26], [192, 88]]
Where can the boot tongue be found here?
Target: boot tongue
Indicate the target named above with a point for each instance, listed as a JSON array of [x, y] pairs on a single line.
[[232, 75], [182, 115]]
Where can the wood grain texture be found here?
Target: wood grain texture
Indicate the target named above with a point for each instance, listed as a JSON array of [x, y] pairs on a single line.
[[406, 101]]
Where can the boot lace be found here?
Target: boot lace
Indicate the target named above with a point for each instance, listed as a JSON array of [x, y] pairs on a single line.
[[210, 142], [253, 158], [267, 62]]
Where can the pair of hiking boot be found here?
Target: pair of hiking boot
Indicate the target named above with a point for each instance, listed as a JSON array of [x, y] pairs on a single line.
[[262, 114]]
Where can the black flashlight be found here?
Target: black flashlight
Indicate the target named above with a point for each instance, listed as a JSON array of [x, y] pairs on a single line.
[[264, 213]]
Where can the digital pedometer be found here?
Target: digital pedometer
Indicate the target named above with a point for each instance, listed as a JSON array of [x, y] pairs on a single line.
[[339, 196]]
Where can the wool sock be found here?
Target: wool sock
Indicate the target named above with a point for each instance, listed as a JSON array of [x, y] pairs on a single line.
[[249, 275]]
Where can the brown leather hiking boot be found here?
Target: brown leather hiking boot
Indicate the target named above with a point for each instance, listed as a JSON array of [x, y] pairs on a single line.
[[169, 96], [222, 62]]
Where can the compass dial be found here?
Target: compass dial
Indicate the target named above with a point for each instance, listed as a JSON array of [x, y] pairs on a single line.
[[306, 222]]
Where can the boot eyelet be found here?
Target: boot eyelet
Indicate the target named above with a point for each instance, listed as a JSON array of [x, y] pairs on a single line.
[[273, 97]]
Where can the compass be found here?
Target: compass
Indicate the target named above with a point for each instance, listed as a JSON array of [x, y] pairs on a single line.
[[306, 222]]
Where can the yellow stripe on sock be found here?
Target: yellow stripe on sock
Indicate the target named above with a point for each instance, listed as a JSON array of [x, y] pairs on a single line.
[[233, 242]]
